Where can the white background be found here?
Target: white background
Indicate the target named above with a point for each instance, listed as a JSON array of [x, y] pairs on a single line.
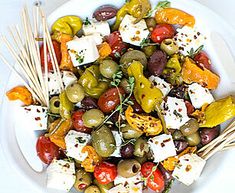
[[10, 181]]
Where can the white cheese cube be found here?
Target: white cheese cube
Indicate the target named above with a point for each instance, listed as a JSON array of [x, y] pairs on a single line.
[[199, 95], [32, 117], [188, 38], [83, 51], [189, 168], [68, 78], [101, 27], [162, 147], [53, 84], [174, 112], [119, 188], [96, 37], [75, 141], [61, 175], [118, 140], [160, 84], [133, 33]]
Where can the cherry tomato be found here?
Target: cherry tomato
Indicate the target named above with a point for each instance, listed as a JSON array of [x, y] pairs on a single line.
[[147, 168], [47, 150], [110, 99], [105, 172], [156, 181], [78, 122], [117, 45], [57, 49], [203, 60], [161, 32], [189, 106]]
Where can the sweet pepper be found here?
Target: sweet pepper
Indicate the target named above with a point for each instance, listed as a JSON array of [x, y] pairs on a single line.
[[219, 112], [91, 83], [66, 106]]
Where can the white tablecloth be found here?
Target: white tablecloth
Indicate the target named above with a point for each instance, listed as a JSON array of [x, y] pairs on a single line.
[[10, 181]]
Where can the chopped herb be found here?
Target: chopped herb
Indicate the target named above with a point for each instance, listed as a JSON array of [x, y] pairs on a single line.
[[87, 22], [160, 5], [79, 58], [81, 140], [168, 187], [146, 42], [117, 55], [193, 53], [175, 112]]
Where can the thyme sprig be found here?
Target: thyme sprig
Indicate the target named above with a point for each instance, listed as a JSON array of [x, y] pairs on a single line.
[[87, 22], [160, 5], [146, 42], [192, 53]]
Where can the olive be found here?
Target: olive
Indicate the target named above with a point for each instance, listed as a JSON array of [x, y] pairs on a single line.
[[127, 150], [129, 133], [141, 160], [179, 92], [92, 189], [105, 12], [83, 180], [89, 103], [125, 85], [93, 118], [157, 62], [103, 141], [208, 134], [75, 92], [149, 50], [103, 187], [55, 105], [180, 146], [141, 147], [108, 68], [151, 23], [177, 135], [169, 46], [128, 168], [189, 127], [193, 139]]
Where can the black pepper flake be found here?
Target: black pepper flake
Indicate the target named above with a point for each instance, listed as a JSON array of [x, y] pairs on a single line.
[[37, 118]]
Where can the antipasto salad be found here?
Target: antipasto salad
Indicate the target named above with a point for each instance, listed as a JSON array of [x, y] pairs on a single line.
[[129, 100]]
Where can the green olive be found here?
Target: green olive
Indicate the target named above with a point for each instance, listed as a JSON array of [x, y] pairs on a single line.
[[103, 141], [108, 68], [125, 85], [151, 23], [169, 46], [93, 118], [141, 160], [83, 180], [141, 147], [130, 56], [104, 187], [193, 139], [149, 50], [177, 135], [92, 189], [189, 127], [75, 92], [128, 168], [55, 105], [129, 133], [66, 106]]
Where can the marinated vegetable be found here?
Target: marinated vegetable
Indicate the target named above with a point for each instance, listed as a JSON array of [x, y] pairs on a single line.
[[128, 168]]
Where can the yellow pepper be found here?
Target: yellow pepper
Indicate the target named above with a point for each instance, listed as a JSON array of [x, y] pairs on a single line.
[[219, 112], [20, 93], [137, 8], [148, 124], [91, 160], [66, 106], [145, 94], [68, 25], [175, 17], [200, 114]]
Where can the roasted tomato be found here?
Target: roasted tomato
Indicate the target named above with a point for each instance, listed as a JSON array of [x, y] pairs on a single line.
[[117, 45], [78, 122], [189, 106], [56, 47], [161, 32], [110, 99], [147, 169], [47, 150], [105, 172], [203, 60]]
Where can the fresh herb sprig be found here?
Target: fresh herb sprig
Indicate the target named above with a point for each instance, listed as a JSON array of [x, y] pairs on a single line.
[[160, 5], [193, 53], [168, 187], [86, 22], [146, 42]]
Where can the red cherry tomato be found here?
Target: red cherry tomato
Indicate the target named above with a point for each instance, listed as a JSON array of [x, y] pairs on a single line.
[[156, 181], [147, 168], [110, 99], [78, 122], [203, 60], [189, 106], [161, 32], [105, 172], [47, 150], [117, 45], [57, 49]]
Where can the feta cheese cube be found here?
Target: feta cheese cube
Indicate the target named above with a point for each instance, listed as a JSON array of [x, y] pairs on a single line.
[[61, 175], [101, 27], [68, 78], [53, 84], [118, 140], [119, 188], [83, 51], [199, 95], [32, 117], [133, 33], [96, 37], [174, 112], [188, 38], [160, 84], [75, 141], [189, 168], [162, 147]]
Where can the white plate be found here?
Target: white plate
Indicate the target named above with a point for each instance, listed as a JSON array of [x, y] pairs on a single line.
[[217, 176]]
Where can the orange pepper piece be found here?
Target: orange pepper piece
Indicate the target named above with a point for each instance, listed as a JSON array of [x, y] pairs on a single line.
[[58, 129], [104, 50], [20, 93], [175, 17], [192, 73], [91, 160]]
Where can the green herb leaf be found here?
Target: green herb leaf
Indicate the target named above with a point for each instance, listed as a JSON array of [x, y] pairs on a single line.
[[87, 22], [168, 187], [146, 42], [193, 53], [160, 5]]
